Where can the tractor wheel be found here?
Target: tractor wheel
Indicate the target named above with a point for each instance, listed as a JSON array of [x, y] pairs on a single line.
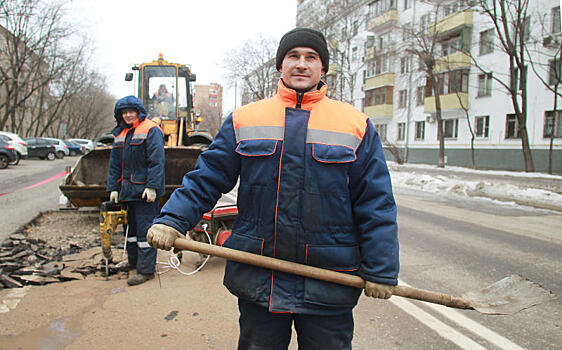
[[51, 156], [4, 161]]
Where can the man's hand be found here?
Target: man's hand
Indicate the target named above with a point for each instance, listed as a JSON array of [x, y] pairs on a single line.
[[149, 194], [114, 197], [376, 290], [162, 237]]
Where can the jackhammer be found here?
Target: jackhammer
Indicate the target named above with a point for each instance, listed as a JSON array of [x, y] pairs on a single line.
[[111, 215]]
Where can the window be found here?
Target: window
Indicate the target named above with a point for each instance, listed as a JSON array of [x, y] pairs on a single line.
[[407, 4], [402, 98], [450, 46], [449, 82], [554, 72], [354, 54], [420, 95], [511, 127], [424, 21], [519, 83], [401, 131], [381, 129], [486, 41], [482, 126], [485, 84], [556, 20], [552, 124], [450, 128], [378, 7], [420, 130], [378, 96], [526, 28], [405, 64]]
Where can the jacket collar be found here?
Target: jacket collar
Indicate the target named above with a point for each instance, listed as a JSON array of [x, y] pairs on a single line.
[[289, 96]]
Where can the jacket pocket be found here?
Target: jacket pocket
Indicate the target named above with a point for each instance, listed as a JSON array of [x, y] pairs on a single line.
[[138, 178], [246, 281], [333, 153], [256, 148], [343, 258]]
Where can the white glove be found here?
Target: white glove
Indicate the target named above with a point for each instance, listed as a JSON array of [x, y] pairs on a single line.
[[149, 194], [376, 290], [114, 197], [162, 236]]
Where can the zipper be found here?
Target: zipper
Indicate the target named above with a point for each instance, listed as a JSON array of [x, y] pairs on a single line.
[[299, 99]]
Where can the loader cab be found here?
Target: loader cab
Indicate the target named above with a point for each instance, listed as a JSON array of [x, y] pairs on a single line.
[[165, 91]]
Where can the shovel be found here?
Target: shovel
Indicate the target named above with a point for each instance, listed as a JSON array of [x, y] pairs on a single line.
[[507, 296]]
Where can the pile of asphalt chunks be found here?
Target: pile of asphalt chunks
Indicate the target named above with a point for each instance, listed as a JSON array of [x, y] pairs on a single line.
[[30, 261]]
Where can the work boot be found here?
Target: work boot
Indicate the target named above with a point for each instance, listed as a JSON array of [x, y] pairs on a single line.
[[139, 278]]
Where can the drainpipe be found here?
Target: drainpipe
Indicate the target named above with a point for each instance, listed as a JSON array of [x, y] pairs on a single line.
[[409, 114]]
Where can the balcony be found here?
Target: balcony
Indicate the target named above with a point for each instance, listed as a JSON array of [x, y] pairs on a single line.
[[383, 20], [453, 61], [451, 23], [448, 102], [385, 79], [379, 111]]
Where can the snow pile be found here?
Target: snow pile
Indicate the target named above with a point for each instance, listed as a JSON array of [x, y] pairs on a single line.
[[517, 187]]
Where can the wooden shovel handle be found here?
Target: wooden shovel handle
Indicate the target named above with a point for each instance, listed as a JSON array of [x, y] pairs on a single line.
[[315, 272]]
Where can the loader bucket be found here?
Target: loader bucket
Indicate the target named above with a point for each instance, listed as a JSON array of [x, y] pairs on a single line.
[[85, 186]]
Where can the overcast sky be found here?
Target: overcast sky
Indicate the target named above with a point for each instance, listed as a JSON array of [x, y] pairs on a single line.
[[198, 33]]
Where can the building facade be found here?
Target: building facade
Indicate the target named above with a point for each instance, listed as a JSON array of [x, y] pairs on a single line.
[[207, 104], [472, 72]]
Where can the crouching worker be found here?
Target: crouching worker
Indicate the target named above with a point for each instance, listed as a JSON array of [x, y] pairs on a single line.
[[314, 189], [136, 178]]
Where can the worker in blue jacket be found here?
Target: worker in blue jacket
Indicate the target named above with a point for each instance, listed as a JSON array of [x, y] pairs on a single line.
[[314, 189], [136, 177]]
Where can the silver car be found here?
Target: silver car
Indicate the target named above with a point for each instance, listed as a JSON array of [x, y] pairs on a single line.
[[61, 147], [17, 142]]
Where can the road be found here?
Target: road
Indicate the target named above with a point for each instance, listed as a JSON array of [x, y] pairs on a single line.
[[20, 205], [447, 246]]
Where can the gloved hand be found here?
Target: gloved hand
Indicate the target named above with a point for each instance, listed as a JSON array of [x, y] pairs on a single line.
[[114, 197], [376, 290], [162, 236], [149, 194]]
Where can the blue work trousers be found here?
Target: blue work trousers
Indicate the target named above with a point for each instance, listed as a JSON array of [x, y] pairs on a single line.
[[263, 330], [139, 217]]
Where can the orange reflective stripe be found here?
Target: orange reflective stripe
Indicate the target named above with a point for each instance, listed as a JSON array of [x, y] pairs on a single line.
[[338, 117]]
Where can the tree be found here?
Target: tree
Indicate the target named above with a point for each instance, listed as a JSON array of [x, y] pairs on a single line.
[[254, 63], [512, 28]]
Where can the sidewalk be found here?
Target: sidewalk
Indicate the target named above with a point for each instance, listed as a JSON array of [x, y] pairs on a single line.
[[536, 190]]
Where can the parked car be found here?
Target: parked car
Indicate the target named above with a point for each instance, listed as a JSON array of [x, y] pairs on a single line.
[[62, 148], [41, 147], [17, 142], [74, 148], [89, 144], [7, 154]]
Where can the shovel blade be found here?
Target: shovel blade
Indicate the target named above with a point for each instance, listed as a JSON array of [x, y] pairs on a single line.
[[508, 296]]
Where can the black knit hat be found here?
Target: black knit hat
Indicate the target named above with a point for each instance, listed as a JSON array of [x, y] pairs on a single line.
[[304, 37]]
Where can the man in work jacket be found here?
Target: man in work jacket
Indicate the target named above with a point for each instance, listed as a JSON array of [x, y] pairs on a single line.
[[314, 189], [136, 177]]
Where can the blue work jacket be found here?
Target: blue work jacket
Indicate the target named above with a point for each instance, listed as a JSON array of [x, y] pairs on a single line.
[[137, 155], [314, 189]]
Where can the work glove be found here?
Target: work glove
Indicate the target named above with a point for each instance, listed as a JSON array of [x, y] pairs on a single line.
[[149, 194], [114, 197], [162, 236], [376, 290]]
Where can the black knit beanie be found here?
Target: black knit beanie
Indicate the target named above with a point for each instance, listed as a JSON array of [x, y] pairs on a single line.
[[304, 37]]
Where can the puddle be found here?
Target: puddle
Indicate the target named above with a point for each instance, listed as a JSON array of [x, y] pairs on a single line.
[[55, 336]]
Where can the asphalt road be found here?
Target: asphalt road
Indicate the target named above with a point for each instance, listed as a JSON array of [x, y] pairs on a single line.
[[445, 245], [20, 205]]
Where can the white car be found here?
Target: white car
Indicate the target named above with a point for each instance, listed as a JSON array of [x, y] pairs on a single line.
[[17, 142], [89, 144], [60, 146]]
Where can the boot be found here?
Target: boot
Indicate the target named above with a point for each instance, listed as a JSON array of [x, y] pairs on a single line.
[[139, 278]]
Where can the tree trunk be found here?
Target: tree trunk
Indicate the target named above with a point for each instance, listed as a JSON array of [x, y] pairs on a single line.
[[441, 162]]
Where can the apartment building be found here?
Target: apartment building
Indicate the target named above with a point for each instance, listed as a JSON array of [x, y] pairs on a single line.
[[472, 72], [207, 101]]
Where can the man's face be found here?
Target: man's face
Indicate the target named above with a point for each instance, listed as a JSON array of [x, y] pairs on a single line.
[[129, 115], [302, 69]]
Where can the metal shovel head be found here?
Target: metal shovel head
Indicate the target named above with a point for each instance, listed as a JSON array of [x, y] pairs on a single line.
[[508, 296]]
